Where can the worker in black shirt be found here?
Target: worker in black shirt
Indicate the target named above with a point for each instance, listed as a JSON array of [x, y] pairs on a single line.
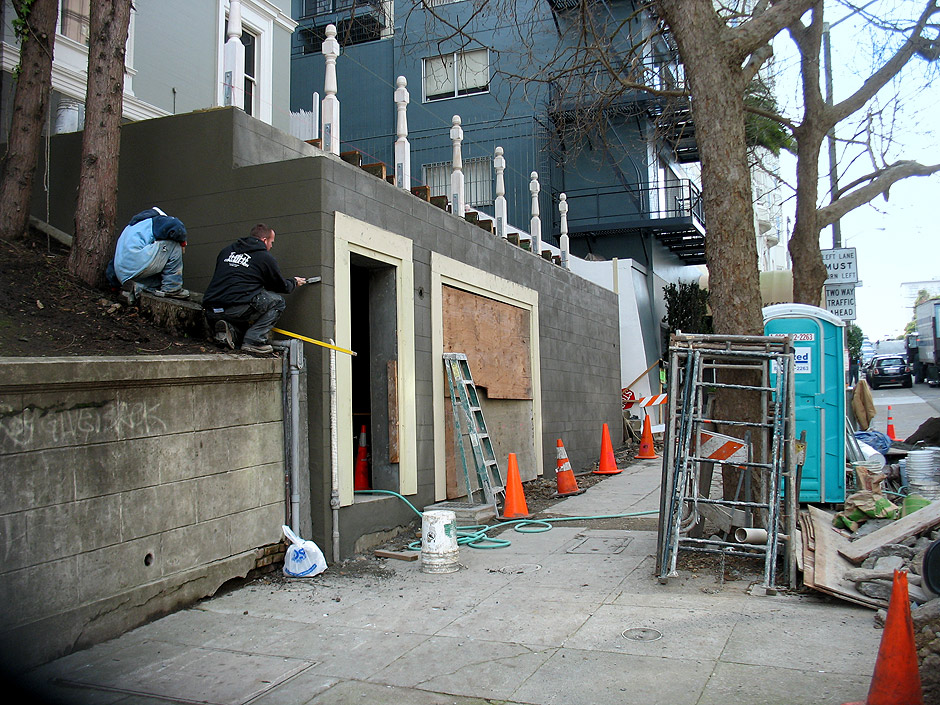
[[244, 299]]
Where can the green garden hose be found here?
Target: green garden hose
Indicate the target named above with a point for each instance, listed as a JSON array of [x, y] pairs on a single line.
[[475, 536]]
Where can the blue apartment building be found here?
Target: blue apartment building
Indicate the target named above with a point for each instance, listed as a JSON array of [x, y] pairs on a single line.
[[626, 160]]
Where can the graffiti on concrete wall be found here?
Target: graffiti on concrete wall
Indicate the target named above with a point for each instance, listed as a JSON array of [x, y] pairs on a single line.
[[36, 427]]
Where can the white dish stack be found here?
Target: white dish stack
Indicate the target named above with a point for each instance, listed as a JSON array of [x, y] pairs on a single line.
[[923, 473]]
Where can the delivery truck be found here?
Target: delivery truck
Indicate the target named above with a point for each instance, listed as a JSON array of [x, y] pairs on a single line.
[[927, 315]]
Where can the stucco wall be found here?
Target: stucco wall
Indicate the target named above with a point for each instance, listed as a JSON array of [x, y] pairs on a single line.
[[128, 488]]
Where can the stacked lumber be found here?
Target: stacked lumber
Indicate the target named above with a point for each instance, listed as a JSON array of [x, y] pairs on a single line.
[[830, 559]]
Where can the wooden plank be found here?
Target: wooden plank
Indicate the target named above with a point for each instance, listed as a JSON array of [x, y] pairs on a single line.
[[440, 202], [495, 337], [487, 225], [393, 449], [422, 192], [398, 555], [830, 567], [318, 143], [353, 157], [377, 169], [915, 523]]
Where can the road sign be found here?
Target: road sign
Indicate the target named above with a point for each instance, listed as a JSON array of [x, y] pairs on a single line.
[[841, 265], [840, 300]]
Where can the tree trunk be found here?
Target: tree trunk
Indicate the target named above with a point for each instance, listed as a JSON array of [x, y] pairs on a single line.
[[30, 103], [97, 187], [717, 87], [809, 272]]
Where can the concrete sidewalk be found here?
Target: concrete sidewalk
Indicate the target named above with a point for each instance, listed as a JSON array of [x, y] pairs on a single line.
[[546, 621]]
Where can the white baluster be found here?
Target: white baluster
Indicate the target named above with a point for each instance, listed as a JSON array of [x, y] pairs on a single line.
[[402, 146], [563, 240], [456, 174], [535, 225], [233, 59], [499, 163], [330, 115]]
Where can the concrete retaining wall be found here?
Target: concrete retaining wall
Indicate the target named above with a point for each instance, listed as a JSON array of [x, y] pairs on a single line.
[[130, 487]]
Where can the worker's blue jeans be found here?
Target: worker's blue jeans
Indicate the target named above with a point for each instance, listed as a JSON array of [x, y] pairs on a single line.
[[165, 271]]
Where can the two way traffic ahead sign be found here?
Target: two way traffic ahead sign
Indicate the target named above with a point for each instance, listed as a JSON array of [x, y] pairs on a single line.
[[842, 266]]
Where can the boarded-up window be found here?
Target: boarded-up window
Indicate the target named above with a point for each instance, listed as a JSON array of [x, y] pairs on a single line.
[[495, 338]]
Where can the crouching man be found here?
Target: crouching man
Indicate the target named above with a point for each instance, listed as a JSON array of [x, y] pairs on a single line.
[[149, 253], [243, 302]]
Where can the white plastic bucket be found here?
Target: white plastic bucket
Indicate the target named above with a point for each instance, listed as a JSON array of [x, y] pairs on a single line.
[[439, 551]]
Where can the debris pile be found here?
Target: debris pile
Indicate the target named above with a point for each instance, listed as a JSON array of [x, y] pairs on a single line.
[[926, 620], [874, 577]]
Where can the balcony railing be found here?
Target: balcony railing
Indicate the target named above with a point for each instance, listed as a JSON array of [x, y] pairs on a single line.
[[676, 204]]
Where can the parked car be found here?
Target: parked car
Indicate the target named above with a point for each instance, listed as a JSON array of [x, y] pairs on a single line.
[[888, 369]]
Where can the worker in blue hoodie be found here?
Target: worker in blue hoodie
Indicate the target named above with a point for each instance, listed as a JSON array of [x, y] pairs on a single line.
[[149, 252], [243, 300]]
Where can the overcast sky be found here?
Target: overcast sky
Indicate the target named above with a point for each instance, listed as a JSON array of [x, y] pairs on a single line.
[[898, 240]]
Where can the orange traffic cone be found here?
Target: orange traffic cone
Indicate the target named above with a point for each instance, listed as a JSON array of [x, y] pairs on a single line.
[[361, 480], [896, 680], [514, 507], [564, 475], [608, 464], [646, 443], [891, 426]]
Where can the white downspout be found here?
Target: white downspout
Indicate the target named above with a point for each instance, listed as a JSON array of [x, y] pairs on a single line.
[[296, 353], [334, 455]]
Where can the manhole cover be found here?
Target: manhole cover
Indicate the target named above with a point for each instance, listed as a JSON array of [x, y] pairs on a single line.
[[642, 634], [519, 569]]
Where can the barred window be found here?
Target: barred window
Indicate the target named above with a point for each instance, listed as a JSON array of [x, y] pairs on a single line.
[[478, 180]]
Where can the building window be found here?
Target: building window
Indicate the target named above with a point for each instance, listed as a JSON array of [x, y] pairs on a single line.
[[73, 20], [478, 180], [250, 42], [457, 74]]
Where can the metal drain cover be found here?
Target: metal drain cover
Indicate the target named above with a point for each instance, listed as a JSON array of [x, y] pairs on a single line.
[[642, 634], [520, 569]]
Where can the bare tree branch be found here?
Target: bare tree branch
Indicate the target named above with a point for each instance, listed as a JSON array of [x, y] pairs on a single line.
[[878, 183], [915, 43]]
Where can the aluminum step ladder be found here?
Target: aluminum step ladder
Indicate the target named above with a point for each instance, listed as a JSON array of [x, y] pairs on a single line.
[[466, 406]]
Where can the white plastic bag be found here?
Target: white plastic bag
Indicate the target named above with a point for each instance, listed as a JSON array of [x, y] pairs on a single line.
[[304, 559]]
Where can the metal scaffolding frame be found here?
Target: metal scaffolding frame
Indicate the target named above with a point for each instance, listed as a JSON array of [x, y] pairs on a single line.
[[698, 366]]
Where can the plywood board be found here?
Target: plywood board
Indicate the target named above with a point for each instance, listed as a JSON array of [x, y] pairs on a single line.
[[495, 337], [829, 568], [896, 531]]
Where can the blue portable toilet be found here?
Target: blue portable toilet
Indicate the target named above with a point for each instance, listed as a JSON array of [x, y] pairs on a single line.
[[819, 386]]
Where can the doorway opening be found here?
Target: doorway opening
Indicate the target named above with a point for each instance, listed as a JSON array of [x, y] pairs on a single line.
[[374, 393]]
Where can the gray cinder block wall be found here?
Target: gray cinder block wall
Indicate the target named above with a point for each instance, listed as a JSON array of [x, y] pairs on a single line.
[[130, 487], [221, 171]]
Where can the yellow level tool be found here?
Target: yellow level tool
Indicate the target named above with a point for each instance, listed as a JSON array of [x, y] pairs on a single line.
[[311, 340]]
